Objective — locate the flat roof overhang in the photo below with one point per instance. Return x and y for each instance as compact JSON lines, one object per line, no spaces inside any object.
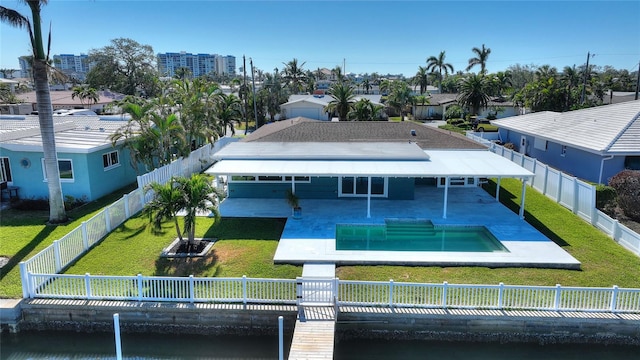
{"x":440,"y":163}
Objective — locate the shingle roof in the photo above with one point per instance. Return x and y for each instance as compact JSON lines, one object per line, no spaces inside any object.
{"x":606,"y":129}
{"x":306,"y":130}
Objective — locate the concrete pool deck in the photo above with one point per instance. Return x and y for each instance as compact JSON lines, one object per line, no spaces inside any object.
{"x":311,"y":239}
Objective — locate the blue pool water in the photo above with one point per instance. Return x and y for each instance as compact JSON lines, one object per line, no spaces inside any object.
{"x":415,"y":235}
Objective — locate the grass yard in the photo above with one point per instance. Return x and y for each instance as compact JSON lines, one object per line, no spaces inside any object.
{"x":25,"y":233}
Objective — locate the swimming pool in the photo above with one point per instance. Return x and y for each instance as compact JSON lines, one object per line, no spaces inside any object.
{"x":415,"y":235}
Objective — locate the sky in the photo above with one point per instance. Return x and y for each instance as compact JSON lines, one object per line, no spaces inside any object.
{"x":387,"y":37}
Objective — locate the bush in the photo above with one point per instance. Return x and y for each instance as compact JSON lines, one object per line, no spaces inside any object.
{"x":605,"y":198}
{"x":31,"y":204}
{"x":453,"y":112}
{"x":509,"y":146}
{"x":627,"y":186}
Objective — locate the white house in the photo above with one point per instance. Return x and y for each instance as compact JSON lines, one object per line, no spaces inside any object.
{"x":312,"y":106}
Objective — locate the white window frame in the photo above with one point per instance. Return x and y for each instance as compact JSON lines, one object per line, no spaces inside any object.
{"x":540,"y":144}
{"x":384,"y":194}
{"x":110,"y":165}
{"x":3,"y":173}
{"x":283,"y":179}
{"x":44,"y":171}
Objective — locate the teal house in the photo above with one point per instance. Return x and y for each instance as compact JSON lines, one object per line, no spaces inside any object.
{"x":90,"y":167}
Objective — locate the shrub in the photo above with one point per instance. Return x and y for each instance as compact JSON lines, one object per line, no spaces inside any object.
{"x":605,"y":198}
{"x":453,"y":111}
{"x":509,"y":146}
{"x":627,"y":186}
{"x":31,"y":204}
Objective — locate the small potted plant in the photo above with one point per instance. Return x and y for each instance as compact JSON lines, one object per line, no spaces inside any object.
{"x":293,"y":201}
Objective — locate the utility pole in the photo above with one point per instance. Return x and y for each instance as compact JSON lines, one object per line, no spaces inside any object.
{"x":255,"y":101}
{"x":638,"y":81}
{"x":244,"y":90}
{"x":586,"y":76}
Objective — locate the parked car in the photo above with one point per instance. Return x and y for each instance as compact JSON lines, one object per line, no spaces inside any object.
{"x":481,"y":125}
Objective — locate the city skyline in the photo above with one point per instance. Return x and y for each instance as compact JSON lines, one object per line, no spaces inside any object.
{"x":363,"y":36}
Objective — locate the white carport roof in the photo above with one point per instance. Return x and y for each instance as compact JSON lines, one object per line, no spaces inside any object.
{"x":442,"y":163}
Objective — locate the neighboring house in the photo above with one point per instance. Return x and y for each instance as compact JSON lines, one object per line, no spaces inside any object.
{"x":63,"y":100}
{"x":90,"y":167}
{"x":312,"y":106}
{"x":330,"y":160}
{"x":438,"y":104}
{"x":593,"y":144}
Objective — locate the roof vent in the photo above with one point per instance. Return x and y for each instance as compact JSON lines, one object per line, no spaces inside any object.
{"x":101,"y":129}
{"x":413,"y":132}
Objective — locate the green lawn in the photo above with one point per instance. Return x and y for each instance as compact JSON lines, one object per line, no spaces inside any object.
{"x":247,"y":246}
{"x":25,"y":233}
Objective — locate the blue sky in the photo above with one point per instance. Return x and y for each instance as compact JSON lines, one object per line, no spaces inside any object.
{"x":369,"y":36}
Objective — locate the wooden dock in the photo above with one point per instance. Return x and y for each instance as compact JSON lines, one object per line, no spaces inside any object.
{"x":313,"y":337}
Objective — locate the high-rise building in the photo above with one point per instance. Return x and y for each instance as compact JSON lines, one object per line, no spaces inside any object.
{"x":76,"y":66}
{"x":198,"y":64}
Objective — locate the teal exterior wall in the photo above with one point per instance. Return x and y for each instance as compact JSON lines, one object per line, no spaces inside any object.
{"x":318,"y":188}
{"x":90,"y":180}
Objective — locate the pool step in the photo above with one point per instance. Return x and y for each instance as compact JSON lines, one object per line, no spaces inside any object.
{"x":409,"y":230}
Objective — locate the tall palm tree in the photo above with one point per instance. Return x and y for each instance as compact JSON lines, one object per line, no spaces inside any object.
{"x":482,"y":55}
{"x":422,"y":79}
{"x":199,"y":195}
{"x":401,"y":97}
{"x":295,"y":76}
{"x":85,"y":93}
{"x":474,"y":92}
{"x":40,"y":65}
{"x":438,"y":63}
{"x":343,"y":99}
{"x":229,"y":112}
{"x":366,"y":85}
{"x":165,"y":204}
{"x":501,"y":82}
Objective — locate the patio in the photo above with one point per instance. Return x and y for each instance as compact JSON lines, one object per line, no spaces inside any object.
{"x":311,"y":239}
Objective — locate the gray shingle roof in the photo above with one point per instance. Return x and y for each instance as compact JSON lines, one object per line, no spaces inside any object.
{"x":605,"y":129}
{"x":306,"y":130}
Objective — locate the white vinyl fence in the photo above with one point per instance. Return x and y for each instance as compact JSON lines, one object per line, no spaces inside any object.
{"x":64,"y":251}
{"x":570,"y":192}
{"x":349,"y":293}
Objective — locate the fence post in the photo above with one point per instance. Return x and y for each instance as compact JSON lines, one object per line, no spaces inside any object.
{"x":107,"y":218}
{"x":87,"y":285}
{"x":576,"y":195}
{"x":56,"y":255}
{"x":594,"y":209}
{"x":546,"y":179}
{"x":85,"y":235}
{"x":126,"y":206}
{"x":614,"y":299}
{"x":444,"y":295}
{"x":192,"y":292}
{"x":336,"y":308}
{"x":615,"y":232}
{"x":390,"y":293}
{"x":559,"y":192}
{"x":556,"y":304}
{"x":140,"y":295}
{"x":298,"y":291}
{"x":26,"y":280}
{"x":501,"y":296}
{"x":244,"y":289}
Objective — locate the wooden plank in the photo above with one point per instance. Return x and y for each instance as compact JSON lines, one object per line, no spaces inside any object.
{"x":313,"y":337}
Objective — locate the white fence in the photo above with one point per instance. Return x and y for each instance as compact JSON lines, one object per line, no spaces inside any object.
{"x":64,"y":251}
{"x":345,"y":293}
{"x":570,"y":192}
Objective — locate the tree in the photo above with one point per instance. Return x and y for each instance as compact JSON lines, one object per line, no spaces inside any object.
{"x":421,"y":79}
{"x":366,"y":85}
{"x":294,"y":76}
{"x":438,"y":63}
{"x":182,"y":73}
{"x":125,"y":66}
{"x":401,"y":97}
{"x":275,"y":93}
{"x":40,"y":65}
{"x":365,"y":110}
{"x":85,"y":93}
{"x":343,"y":99}
{"x":228,"y":112}
{"x":7,"y":73}
{"x":474,"y":92}
{"x":482,"y":55}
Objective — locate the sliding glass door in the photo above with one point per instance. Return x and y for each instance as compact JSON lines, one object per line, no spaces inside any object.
{"x":357,"y":186}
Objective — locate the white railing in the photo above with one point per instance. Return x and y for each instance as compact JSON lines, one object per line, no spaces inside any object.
{"x":344,"y":293}
{"x":570,"y":192}
{"x":64,"y":251}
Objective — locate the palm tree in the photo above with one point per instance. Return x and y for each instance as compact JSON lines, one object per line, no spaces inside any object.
{"x":182,"y":73}
{"x":199,"y":195}
{"x":167,"y":200}
{"x":40,"y":65}
{"x":401,"y":97}
{"x":85,"y":93}
{"x":501,"y":82}
{"x":422,"y":79}
{"x":229,"y":112}
{"x":295,"y":76}
{"x":474,"y":92}
{"x":343,"y":99}
{"x":438,"y":63}
{"x":366,"y":85}
{"x":482,"y":55}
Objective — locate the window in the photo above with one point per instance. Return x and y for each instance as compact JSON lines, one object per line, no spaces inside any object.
{"x":632,"y":162}
{"x":268,"y":178}
{"x":359,"y":186}
{"x":64,"y":166}
{"x":563,"y":152}
{"x":5,"y":170}
{"x":110,"y":160}
{"x":540,"y":144}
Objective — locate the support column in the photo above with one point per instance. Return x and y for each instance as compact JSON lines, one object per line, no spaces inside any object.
{"x":293,"y":184}
{"x":524,"y":189}
{"x":498,"y":189}
{"x":369,"y":197}
{"x":446,"y":195}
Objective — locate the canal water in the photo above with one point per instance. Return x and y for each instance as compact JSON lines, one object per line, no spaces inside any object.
{"x":75,"y":346}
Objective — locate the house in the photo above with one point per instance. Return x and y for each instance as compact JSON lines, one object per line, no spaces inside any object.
{"x":90,"y":167}
{"x":438,"y":104}
{"x":63,"y":99}
{"x":593,"y":144}
{"x":331,"y":160}
{"x":312,"y":106}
